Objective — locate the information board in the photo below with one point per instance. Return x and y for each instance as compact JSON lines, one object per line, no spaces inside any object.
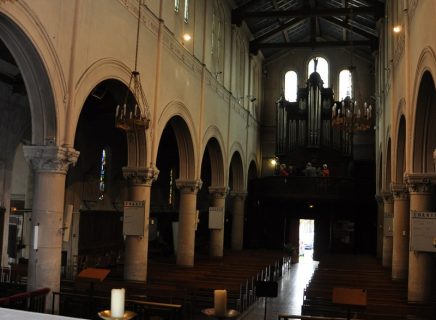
{"x":216,"y":218}
{"x":133,"y":221}
{"x":388,"y":225}
{"x":423,"y":231}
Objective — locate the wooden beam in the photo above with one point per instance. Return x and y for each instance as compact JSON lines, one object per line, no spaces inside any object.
{"x":254,"y":46}
{"x":308,"y":12}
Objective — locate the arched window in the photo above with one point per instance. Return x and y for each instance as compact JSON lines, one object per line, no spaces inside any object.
{"x":186,"y":11}
{"x":103,"y":173}
{"x":322,"y":68}
{"x":345,"y":84}
{"x":217,"y":39}
{"x":291,"y":86}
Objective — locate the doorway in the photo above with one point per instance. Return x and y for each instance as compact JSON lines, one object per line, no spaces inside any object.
{"x":306,"y":236}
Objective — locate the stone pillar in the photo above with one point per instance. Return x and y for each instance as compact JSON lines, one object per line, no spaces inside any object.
{"x":387,"y":229}
{"x":380,"y":218}
{"x":238,"y":220}
{"x":400,"y":253}
{"x":421,"y":264}
{"x":187,"y":221}
{"x":136,"y":247}
{"x":217,"y":235}
{"x":50,"y":165}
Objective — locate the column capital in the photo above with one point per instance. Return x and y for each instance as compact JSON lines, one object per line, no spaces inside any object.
{"x":399,"y":191}
{"x":189,"y":186}
{"x":141,"y":175}
{"x":218,"y":192}
{"x":387,"y":197}
{"x":420,"y":182}
{"x":240,"y":195}
{"x":379,"y":198}
{"x":50,"y":158}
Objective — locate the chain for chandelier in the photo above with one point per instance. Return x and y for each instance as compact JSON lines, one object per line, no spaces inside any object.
{"x":349,"y":114}
{"x":130,"y":115}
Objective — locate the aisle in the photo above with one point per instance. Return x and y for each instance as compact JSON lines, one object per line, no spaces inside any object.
{"x":290,"y":296}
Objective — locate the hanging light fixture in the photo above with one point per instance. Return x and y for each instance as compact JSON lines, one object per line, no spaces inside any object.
{"x":129,"y":115}
{"x":349,"y":114}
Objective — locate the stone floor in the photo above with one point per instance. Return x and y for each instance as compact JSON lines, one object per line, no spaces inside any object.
{"x":290,"y":293}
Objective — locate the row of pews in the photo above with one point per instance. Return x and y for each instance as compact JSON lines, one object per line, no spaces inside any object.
{"x":379,"y":296}
{"x":190,"y":288}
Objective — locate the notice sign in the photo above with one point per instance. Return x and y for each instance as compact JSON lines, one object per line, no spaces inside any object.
{"x":388,"y":225}
{"x":423,"y":231}
{"x":216,"y":218}
{"x":133,"y":221}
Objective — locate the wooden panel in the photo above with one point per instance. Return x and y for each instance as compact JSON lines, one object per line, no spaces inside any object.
{"x":349,"y":296}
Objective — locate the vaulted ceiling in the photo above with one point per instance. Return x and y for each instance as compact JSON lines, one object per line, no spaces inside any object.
{"x":279,"y":25}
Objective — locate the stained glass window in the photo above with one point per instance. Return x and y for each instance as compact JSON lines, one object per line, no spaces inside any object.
{"x":103,"y":162}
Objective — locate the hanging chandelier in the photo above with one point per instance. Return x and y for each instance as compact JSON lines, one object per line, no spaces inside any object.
{"x":352,"y":116}
{"x":129,"y":115}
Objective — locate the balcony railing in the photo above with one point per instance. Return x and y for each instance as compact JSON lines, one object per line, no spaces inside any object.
{"x":330,"y":188}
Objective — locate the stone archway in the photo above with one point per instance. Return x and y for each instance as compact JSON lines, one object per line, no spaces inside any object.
{"x":213,"y":194}
{"x":176,"y":162}
{"x":424,"y":135}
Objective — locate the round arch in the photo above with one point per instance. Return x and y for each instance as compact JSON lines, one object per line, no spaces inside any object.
{"x":182,"y":124}
{"x":114,"y":71}
{"x":36,"y":80}
{"x":236,"y":173}
{"x":388,"y":166}
{"x":213,"y":143}
{"x":424,"y":126}
{"x":400,"y":163}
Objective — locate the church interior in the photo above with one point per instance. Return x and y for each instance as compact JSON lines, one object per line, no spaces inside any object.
{"x":186,"y":149}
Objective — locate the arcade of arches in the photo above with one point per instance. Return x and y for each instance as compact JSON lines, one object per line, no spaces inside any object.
{"x":198,"y":166}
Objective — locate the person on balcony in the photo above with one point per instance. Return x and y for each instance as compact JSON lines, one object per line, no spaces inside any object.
{"x":283,"y":172}
{"x":325,"y":170}
{"x":309,"y":171}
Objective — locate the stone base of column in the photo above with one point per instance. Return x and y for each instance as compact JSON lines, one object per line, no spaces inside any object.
{"x":216,"y":243}
{"x":421,"y":266}
{"x":135,"y":258}
{"x":387,"y":251}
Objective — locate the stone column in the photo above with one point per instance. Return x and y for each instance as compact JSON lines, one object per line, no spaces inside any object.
{"x":238,"y":220}
{"x":50,"y":165}
{"x":387,"y":229}
{"x":136,"y":247}
{"x":421,"y":264}
{"x":400,"y":253}
{"x":187,"y":221}
{"x":217,"y":235}
{"x":380,"y":218}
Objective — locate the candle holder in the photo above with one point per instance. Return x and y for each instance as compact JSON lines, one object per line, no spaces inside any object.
{"x":230,"y":313}
{"x":106,"y":314}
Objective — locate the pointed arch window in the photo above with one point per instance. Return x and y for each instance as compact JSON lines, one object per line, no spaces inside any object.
{"x":176,"y":5}
{"x":322,"y":67}
{"x":291,"y":86}
{"x":345,"y":84}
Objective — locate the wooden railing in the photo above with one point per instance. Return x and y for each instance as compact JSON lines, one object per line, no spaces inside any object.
{"x":338,"y":188}
{"x":29,"y":301}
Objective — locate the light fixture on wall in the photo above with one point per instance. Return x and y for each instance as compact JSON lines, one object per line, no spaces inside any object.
{"x":396,"y":28}
{"x":129,"y":115}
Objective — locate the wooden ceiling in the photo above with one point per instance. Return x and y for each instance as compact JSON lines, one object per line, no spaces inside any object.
{"x":279,"y":25}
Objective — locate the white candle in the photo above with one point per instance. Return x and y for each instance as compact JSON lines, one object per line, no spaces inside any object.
{"x":117,"y":303}
{"x":220,"y":302}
